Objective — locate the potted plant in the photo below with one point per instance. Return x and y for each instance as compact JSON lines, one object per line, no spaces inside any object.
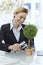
{"x":29,"y":31}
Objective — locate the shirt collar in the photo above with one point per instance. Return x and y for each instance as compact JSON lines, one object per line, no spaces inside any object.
{"x":11,"y":26}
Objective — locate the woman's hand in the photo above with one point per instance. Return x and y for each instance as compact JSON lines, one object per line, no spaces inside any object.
{"x":14,"y":47}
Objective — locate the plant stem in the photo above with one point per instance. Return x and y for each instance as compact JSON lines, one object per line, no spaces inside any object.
{"x":29,"y":43}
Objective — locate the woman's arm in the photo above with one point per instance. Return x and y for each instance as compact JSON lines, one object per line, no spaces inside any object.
{"x":3,"y":46}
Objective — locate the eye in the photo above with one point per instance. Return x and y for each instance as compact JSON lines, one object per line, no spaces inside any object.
{"x":22,"y":17}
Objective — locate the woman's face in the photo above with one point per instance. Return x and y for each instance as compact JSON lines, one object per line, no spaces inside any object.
{"x":19,"y":18}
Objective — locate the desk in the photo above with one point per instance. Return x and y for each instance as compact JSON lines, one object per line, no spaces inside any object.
{"x":19,"y":58}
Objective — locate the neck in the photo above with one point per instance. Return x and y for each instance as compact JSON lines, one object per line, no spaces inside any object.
{"x":16,"y":27}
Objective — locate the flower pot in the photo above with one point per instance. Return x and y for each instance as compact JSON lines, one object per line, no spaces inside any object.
{"x":28,"y":51}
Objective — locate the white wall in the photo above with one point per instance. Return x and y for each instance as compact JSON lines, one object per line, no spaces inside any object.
{"x":39,"y":40}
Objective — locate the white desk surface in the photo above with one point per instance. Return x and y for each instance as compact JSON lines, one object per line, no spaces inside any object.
{"x":19,"y":58}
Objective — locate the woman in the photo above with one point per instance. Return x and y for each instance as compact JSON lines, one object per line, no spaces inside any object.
{"x":13,"y":38}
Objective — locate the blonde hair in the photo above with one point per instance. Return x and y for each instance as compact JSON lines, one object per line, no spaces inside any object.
{"x":20,"y":9}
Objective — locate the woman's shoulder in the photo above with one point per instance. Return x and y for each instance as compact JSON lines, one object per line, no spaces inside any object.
{"x":5,"y":26}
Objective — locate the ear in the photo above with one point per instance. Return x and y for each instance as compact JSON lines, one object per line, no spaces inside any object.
{"x":14,"y":14}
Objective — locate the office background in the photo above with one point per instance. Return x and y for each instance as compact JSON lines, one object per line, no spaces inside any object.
{"x":35,"y":11}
